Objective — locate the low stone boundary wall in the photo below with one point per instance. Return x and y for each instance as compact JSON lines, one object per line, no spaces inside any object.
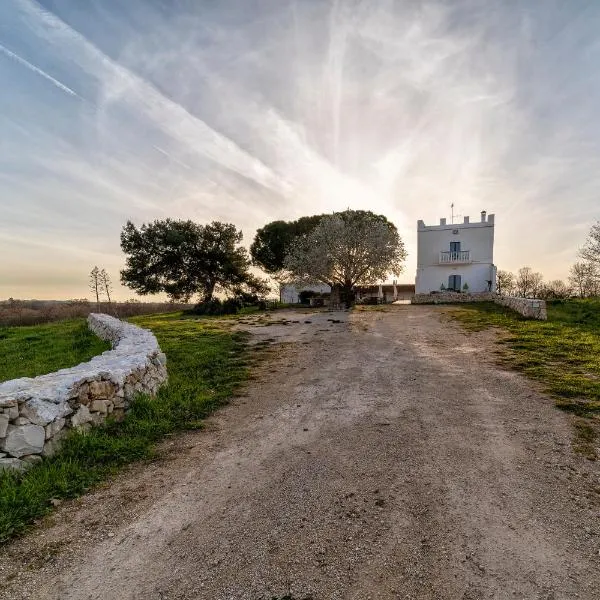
{"x":452,"y":298}
{"x":35,"y":413}
{"x":528,"y":307}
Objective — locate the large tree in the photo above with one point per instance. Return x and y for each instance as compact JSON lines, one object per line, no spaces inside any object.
{"x":273,"y":242}
{"x":183,"y":258}
{"x":347,"y":249}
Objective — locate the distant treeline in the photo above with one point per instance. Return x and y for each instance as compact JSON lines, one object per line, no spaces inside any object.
{"x":34,"y":312}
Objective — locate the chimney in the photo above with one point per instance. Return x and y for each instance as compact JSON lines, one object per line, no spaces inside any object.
{"x":466,"y":220}
{"x":483,"y":213}
{"x":490,"y":219}
{"x":442,"y":221}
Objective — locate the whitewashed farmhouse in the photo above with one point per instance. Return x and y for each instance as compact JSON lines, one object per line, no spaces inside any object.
{"x":456,"y":257}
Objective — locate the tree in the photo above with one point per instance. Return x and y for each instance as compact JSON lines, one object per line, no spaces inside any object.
{"x":590,"y":252}
{"x":584,"y":277}
{"x":105,"y":284}
{"x":347,"y":249}
{"x":505,"y":283}
{"x":183,"y":258}
{"x":528,"y":283}
{"x":555,"y":289}
{"x":95,"y":285}
{"x":273,"y":242}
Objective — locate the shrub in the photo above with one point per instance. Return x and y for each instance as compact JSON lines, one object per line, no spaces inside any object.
{"x":216,"y":307}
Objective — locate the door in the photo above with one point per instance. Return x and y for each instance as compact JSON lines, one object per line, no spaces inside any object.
{"x":454,"y":250}
{"x":454,"y":282}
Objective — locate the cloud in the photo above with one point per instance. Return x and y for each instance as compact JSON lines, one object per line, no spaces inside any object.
{"x":39,"y":71}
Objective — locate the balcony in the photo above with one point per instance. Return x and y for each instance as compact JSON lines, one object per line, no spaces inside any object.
{"x":462,"y":257}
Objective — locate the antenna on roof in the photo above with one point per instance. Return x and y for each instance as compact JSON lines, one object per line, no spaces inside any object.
{"x":452,"y":212}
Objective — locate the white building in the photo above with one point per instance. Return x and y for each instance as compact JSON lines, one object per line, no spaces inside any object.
{"x":290,"y":293}
{"x":457,"y":257}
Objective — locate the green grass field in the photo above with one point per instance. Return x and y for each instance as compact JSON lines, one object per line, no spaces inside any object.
{"x":38,"y":349}
{"x":206,"y":363}
{"x":563,"y":352}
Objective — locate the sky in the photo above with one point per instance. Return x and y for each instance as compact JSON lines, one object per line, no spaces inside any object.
{"x":248,"y":111}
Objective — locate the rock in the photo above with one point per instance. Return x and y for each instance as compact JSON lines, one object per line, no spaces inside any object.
{"x":100,"y":406}
{"x":53,"y":428}
{"x":12,"y":463}
{"x":13,"y":412}
{"x":52,"y":445}
{"x":4,"y":419}
{"x":32,"y":459}
{"x":23,"y":440}
{"x":81,"y":416}
{"x":22,"y":421}
{"x":41,"y":412}
{"x":102,"y":389}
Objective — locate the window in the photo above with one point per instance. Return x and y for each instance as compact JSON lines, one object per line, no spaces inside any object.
{"x":454,"y":246}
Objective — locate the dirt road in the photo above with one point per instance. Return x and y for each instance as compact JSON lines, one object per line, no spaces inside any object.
{"x":382,"y":456}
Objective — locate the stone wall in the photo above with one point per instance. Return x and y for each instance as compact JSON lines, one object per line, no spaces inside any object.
{"x":528,"y":307}
{"x":35,"y":413}
{"x":452,"y":298}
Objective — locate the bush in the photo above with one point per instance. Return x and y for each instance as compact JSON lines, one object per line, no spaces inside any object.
{"x":216,"y":307}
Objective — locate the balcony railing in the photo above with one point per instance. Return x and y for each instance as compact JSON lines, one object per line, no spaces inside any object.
{"x":462,"y":256}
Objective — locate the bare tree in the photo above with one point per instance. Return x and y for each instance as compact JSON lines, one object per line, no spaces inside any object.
{"x":95,"y":285}
{"x":528,"y":283}
{"x":584,"y":277}
{"x":505,"y":283}
{"x":347,"y":249}
{"x":590,"y":252}
{"x":555,"y":289}
{"x":106,"y":285}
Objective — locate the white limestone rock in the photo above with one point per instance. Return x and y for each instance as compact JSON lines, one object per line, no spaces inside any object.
{"x":81,"y":417}
{"x":4,"y":420}
{"x":22,"y":440}
{"x":12,"y":463}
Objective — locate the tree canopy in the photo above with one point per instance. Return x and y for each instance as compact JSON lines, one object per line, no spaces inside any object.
{"x":273,"y":242}
{"x":183,"y":258}
{"x":347,"y":249}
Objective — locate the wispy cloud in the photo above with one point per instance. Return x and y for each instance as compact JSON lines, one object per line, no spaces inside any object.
{"x":292,"y":108}
{"x":39,"y":71}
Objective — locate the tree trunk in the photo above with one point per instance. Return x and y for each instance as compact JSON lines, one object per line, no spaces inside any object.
{"x":209,"y":290}
{"x":347,"y":294}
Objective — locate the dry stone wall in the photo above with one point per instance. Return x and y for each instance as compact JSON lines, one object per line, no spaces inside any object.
{"x":452,"y":298}
{"x":35,"y":413}
{"x":528,"y":307}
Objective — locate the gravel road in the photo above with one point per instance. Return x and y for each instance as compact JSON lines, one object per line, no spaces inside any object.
{"x":381,"y":456}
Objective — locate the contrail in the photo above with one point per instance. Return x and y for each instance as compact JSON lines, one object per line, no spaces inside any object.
{"x":39,"y":71}
{"x":165,"y":113}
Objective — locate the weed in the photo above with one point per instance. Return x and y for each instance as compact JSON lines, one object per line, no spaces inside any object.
{"x":33,"y":350}
{"x":206,"y":363}
{"x":563,"y":352}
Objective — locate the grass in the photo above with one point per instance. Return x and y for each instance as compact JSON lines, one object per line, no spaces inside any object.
{"x":206,"y":363}
{"x":34,"y":350}
{"x":563,"y":353}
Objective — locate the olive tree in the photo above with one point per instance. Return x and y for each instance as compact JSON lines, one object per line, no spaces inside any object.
{"x":347,"y":249}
